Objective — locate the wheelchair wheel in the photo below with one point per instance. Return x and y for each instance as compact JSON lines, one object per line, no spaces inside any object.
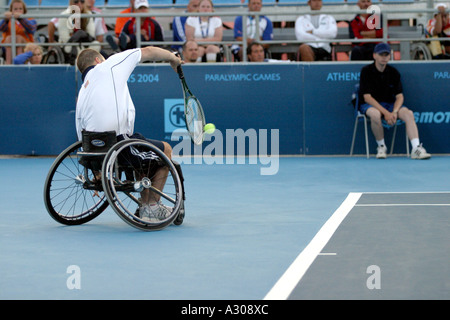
{"x":126,"y":174}
{"x":70,"y":196}
{"x":420,"y":51}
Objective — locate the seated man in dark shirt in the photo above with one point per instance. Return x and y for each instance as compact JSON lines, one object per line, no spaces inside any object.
{"x":381,"y":93}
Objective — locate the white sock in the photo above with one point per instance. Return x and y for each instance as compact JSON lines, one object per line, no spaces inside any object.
{"x":415,"y":143}
{"x":381,"y":142}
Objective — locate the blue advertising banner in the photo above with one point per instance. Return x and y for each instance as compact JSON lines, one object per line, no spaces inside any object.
{"x":235,"y":98}
{"x":37,"y":107}
{"x":285,"y":108}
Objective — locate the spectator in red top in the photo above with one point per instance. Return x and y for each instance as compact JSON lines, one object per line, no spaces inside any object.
{"x":150,"y":30}
{"x":25,"y":28}
{"x":365,"y":26}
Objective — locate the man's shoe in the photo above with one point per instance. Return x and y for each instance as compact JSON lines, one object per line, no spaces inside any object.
{"x":420,"y":153}
{"x":159,"y":211}
{"x":112,"y":43}
{"x":144,"y":212}
{"x":123,"y":41}
{"x":154,"y":211}
{"x":381,"y":152}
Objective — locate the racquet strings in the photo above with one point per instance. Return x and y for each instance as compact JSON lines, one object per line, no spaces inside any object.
{"x":194,"y":121}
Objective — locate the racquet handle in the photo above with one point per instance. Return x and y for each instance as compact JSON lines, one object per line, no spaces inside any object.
{"x":179,"y":70}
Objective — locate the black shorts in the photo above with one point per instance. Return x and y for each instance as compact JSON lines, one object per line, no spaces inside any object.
{"x":156,"y":143}
{"x":321,"y":54}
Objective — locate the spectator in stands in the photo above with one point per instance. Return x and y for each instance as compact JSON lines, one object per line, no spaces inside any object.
{"x":33,"y":55}
{"x":178,"y":24}
{"x":77,"y":30}
{"x":100,"y":25}
{"x":205,"y":29}
{"x":150,"y":29}
{"x":265,"y":28}
{"x":190,"y":52}
{"x":25,"y":28}
{"x":256,"y":53}
{"x":382,"y":97}
{"x":315,"y":26}
{"x":99,"y":22}
{"x":52,"y":27}
{"x":365,"y":26}
{"x":120,"y":21}
{"x":439,"y":26}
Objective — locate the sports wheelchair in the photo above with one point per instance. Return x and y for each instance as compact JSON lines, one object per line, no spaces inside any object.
{"x":99,"y":171}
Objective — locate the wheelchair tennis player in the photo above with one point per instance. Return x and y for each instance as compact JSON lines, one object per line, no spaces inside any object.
{"x":104,"y":104}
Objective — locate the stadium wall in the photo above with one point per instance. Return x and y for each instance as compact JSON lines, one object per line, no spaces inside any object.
{"x":295,"y":108}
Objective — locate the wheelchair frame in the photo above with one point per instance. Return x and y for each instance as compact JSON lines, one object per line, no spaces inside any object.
{"x":74,"y":194}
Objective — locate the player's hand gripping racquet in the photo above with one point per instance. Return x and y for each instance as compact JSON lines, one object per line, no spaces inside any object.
{"x":193,"y":112}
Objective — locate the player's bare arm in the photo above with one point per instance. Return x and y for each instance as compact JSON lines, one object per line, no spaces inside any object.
{"x":157,"y":54}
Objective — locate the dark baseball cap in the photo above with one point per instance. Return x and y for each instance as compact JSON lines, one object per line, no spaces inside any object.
{"x":382,"y":48}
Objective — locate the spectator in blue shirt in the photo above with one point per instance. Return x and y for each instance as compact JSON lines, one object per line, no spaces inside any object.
{"x":265,"y":28}
{"x":33,"y":55}
{"x":179,"y":22}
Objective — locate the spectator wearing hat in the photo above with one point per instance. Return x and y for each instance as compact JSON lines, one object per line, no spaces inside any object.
{"x":150,"y":30}
{"x":439,"y":26}
{"x":381,"y":93}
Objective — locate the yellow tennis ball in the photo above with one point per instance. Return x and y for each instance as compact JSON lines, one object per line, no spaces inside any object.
{"x":209,"y":128}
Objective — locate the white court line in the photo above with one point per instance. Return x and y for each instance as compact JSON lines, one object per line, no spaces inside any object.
{"x":403,"y":192}
{"x":401,"y":204}
{"x":284,"y":286}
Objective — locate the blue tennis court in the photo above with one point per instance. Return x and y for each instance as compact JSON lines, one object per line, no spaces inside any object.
{"x":242,"y":230}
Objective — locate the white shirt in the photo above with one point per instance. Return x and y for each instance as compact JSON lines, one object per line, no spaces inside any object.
{"x":65,"y":32}
{"x":322,"y":26}
{"x":104,"y":102}
{"x":204,"y":29}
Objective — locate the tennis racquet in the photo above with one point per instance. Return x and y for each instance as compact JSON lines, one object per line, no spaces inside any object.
{"x":193,"y":112}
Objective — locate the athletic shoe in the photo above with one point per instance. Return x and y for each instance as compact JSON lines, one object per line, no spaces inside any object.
{"x":152,"y":211}
{"x":381,"y":152}
{"x":144,"y":212}
{"x":160,"y":211}
{"x":112,"y":43}
{"x":420,"y":153}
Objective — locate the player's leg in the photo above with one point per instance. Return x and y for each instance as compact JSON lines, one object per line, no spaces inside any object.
{"x":129,"y":168}
{"x":150,"y":200}
{"x":159,"y":178}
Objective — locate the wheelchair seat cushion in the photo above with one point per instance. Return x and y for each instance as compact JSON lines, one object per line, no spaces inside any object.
{"x":98,"y":141}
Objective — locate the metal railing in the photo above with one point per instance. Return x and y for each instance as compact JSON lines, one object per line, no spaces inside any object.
{"x":245,"y":15}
